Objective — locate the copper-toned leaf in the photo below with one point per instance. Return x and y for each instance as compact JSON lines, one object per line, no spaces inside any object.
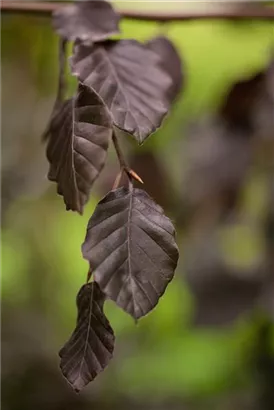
{"x":91,"y":345}
{"x":88,"y":21}
{"x":170,"y":61}
{"x":77,"y":147}
{"x":129,"y":78}
{"x":131,"y":249}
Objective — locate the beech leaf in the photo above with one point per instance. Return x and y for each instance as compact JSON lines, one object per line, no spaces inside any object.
{"x":77,"y":147}
{"x":170,"y":61}
{"x":129,"y":78}
{"x":91,"y":345}
{"x":131,"y":249}
{"x":87,"y":21}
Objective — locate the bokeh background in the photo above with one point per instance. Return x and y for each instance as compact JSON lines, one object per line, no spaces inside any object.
{"x":209,"y":344}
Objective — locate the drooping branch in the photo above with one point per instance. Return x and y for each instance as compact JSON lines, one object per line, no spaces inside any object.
{"x":221,"y":11}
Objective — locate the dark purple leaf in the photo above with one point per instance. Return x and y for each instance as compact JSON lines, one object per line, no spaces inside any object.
{"x":88,"y":21}
{"x":131,"y":249}
{"x":77,"y":147}
{"x":129,"y":78}
{"x":91,"y":345}
{"x":170,"y":61}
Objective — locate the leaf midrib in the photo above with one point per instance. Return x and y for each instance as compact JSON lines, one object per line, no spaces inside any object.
{"x":128,"y":246}
{"x":88,"y":330}
{"x":120,"y":85}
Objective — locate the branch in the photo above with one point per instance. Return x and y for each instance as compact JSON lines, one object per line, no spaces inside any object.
{"x":221,"y":11}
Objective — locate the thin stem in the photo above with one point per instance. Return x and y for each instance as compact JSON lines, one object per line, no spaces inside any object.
{"x":122,"y":161}
{"x":119,"y":153}
{"x":220,"y":11}
{"x":89,"y":274}
{"x":123,"y":166}
{"x":118,"y":179}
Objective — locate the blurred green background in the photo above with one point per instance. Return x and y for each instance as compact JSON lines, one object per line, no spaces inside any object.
{"x":164,"y":361}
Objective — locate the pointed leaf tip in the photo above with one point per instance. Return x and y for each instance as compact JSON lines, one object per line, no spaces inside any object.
{"x":90,"y":347}
{"x":129,"y":78}
{"x":131,"y":249}
{"x":170,"y":61}
{"x":79,"y":135}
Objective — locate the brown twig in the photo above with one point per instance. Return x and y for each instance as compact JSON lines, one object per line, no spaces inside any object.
{"x":123,"y":165}
{"x":122,"y":161}
{"x":118,"y":179}
{"x":221,"y":11}
{"x":119,"y":153}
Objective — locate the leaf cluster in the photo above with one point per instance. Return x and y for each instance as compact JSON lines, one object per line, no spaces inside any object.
{"x":130,"y":243}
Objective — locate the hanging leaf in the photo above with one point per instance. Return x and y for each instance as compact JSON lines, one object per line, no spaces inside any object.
{"x":77,"y":147}
{"x":88,"y":21}
{"x":61,"y":90}
{"x":129,"y":78}
{"x":170,"y":61}
{"x":131,"y":249}
{"x":91,"y":345}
